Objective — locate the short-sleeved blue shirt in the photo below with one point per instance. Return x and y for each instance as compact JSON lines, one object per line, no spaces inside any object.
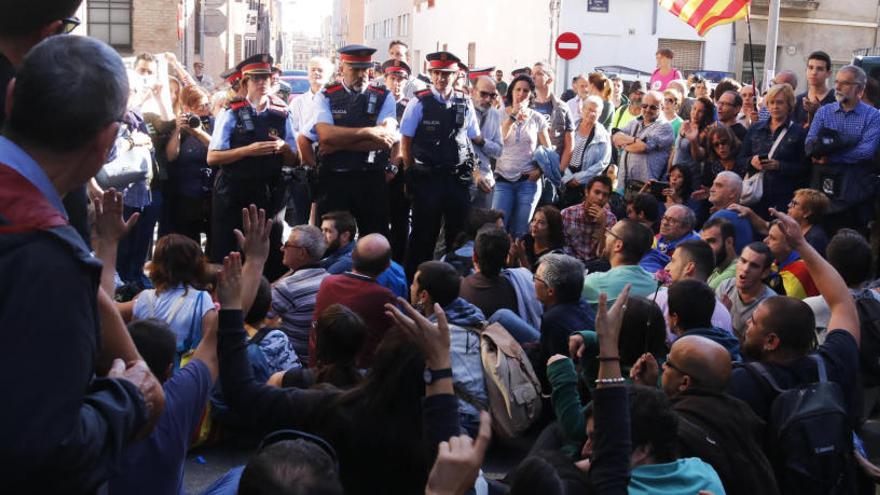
{"x":321,"y":113}
{"x":225,"y":125}
{"x":412,"y":116}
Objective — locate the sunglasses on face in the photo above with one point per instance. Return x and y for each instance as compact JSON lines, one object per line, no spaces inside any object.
{"x":486,"y":94}
{"x":649,"y":107}
{"x":669,"y":100}
{"x":718,"y":144}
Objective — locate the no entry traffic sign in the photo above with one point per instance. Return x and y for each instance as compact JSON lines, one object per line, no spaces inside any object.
{"x":568,"y":46}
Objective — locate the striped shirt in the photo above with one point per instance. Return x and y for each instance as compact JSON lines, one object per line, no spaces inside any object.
{"x":293,"y":299}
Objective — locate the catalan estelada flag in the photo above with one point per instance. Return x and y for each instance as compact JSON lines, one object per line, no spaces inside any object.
{"x":703,"y":15}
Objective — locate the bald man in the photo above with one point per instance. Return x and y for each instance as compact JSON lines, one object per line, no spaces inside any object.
{"x":360,"y":292}
{"x":720,"y":429}
{"x":484,"y":95}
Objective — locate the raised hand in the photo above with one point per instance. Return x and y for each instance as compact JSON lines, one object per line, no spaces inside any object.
{"x":254,"y":241}
{"x":458,"y":461}
{"x":109,"y":225}
{"x":229,"y":282}
{"x":431,"y":338}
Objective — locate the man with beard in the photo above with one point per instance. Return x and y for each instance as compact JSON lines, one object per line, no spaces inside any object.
{"x":729,"y":104}
{"x":483,"y":95}
{"x":339,"y":229}
{"x":721,"y":237}
{"x":780,"y":336}
{"x":632,"y":110}
{"x":352,"y":122}
{"x":844,"y":171}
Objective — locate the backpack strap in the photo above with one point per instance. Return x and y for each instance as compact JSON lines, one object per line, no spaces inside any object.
{"x":761,"y":371}
{"x":820,"y":367}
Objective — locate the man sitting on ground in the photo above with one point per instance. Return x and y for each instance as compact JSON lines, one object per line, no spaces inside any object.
{"x":793,"y":279}
{"x":721,"y":237}
{"x":780,"y":336}
{"x":676,"y":226}
{"x":725,"y":191}
{"x":584,"y":225}
{"x":626,"y":243}
{"x":360,"y":292}
{"x":692,"y":260}
{"x":691,"y":303}
{"x":293,"y":296}
{"x":720,"y":429}
{"x":743,"y":293}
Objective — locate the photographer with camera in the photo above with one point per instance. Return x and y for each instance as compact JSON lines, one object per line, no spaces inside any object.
{"x":188,"y":190}
{"x":841,"y":143}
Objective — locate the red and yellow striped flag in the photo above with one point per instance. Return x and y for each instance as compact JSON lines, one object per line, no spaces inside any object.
{"x":703,"y":15}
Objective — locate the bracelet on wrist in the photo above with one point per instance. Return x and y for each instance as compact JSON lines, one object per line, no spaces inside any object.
{"x":610,"y":381}
{"x":609,"y":358}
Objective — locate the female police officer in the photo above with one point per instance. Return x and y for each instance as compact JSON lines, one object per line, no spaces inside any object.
{"x":252,"y":140}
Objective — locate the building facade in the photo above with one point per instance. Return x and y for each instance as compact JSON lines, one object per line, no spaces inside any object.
{"x":386,"y":21}
{"x":500,"y":33}
{"x":348,"y":22}
{"x":627,"y":34}
{"x":836,"y":27}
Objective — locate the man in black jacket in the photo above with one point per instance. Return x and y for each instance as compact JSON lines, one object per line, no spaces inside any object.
{"x":63,"y":429}
{"x":720,"y":429}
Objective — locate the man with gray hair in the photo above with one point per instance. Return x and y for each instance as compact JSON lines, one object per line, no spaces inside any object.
{"x":74,"y":410}
{"x":293,"y":295}
{"x":646,"y":142}
{"x":676,"y":226}
{"x":725,"y":192}
{"x":484,"y":94}
{"x":843,"y":171}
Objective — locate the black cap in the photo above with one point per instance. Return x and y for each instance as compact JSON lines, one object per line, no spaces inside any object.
{"x":357,"y":56}
{"x":636,"y":86}
{"x":395,"y":66}
{"x":260,"y":63}
{"x":443,"y":61}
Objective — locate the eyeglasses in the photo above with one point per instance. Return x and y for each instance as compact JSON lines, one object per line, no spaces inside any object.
{"x":612,"y":234}
{"x":718,"y":144}
{"x":670,"y":100}
{"x":291,"y":245}
{"x":649,"y":107}
{"x":536,"y":278}
{"x":68,"y":24}
{"x":793,"y":203}
{"x":486,"y":94}
{"x":676,"y":368}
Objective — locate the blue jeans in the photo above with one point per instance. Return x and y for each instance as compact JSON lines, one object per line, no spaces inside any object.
{"x":515,"y":326}
{"x":518,"y":201}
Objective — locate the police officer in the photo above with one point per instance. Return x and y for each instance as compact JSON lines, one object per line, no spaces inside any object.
{"x":396,"y":73}
{"x":232,"y":76}
{"x":352,"y":121}
{"x":438,"y":129}
{"x":252,"y":140}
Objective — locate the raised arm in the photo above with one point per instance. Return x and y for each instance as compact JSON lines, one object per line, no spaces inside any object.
{"x":844,"y":315}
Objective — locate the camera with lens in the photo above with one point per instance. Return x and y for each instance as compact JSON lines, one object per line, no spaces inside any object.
{"x":828,"y":142}
{"x":193,"y":120}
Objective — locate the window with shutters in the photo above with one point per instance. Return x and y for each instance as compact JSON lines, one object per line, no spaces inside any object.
{"x":688,"y":54}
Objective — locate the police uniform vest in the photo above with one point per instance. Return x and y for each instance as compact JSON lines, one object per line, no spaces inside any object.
{"x":441,"y":136}
{"x":353,"y":110}
{"x":266,"y":126}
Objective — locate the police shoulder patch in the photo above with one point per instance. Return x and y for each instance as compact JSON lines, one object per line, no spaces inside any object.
{"x":237,"y":104}
{"x":425,"y":93}
{"x":332,"y":88}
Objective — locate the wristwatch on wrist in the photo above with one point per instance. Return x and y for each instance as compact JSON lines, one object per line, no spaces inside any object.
{"x":391,"y":169}
{"x":432,"y":376}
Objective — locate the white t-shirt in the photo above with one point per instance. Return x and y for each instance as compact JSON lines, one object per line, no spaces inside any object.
{"x":519,"y":145}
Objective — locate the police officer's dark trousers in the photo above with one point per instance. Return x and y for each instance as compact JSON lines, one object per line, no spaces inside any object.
{"x":231,"y":194}
{"x":436,"y":194}
{"x":362,"y":193}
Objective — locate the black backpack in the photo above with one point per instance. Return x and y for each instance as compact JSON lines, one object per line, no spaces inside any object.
{"x":811,"y":436}
{"x":869,"y":347}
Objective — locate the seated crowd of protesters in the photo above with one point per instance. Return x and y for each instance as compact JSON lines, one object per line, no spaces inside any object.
{"x":653,"y":335}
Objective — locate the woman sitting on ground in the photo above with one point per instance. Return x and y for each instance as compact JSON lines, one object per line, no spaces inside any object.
{"x":545,"y":236}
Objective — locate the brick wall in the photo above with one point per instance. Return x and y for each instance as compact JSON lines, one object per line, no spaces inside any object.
{"x":154,"y":26}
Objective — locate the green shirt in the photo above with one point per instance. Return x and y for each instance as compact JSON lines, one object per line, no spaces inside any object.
{"x":613,"y":281}
{"x":717,"y":277}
